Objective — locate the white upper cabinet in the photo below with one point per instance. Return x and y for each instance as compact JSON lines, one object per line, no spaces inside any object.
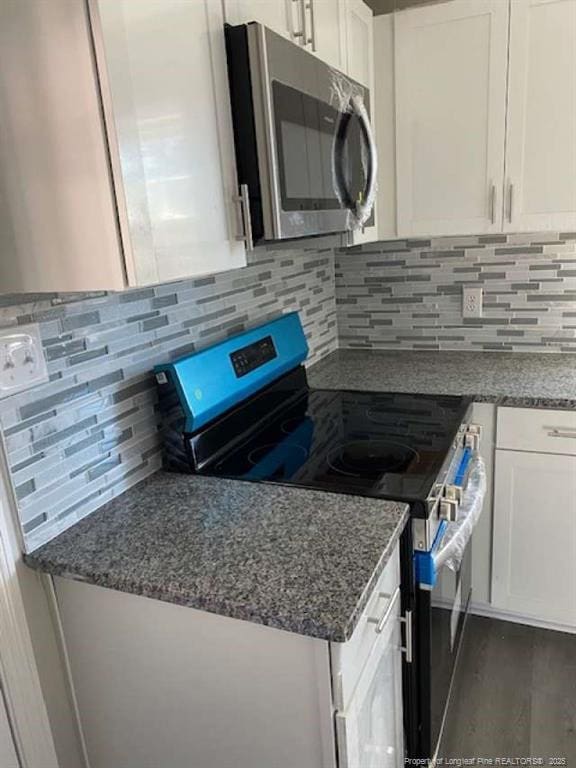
{"x":451,"y":63}
{"x":360,"y":42}
{"x":165,"y":93}
{"x":384,"y":122}
{"x":281,"y":16}
{"x":541,"y":139}
{"x":57,"y":213}
{"x":327,"y":20}
{"x":146,"y":197}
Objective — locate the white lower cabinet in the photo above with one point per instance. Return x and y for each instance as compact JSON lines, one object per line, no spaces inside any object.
{"x":164,"y":685}
{"x":534,"y":544}
{"x":369,"y":730}
{"x":8,"y":755}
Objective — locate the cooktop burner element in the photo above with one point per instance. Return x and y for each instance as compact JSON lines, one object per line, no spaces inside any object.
{"x":371,"y":458}
{"x":290,"y":452}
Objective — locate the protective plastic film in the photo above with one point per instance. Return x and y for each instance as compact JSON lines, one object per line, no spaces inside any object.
{"x":458,"y":534}
{"x":348,"y":98}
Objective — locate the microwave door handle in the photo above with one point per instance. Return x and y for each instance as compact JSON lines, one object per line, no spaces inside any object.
{"x":365,"y":207}
{"x":360,"y":210}
{"x":338,"y":154}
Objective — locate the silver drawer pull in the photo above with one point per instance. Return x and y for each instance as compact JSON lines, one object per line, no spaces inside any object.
{"x":381,"y":622}
{"x":561,"y":432}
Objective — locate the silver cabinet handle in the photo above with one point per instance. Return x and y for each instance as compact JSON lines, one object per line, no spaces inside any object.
{"x":510,"y":201}
{"x":493,"y":204}
{"x":312,"y":39}
{"x":381,"y":622}
{"x":568,"y":432}
{"x":244,"y":200}
{"x":302,"y":34}
{"x":407,"y":649}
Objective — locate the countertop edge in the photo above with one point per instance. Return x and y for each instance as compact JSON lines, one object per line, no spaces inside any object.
{"x":307,"y":628}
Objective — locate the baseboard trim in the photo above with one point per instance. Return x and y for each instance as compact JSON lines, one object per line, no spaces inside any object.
{"x":490,"y":611}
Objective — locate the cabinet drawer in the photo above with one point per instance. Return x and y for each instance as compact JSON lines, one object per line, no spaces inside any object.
{"x":349,"y":659}
{"x":543,"y":431}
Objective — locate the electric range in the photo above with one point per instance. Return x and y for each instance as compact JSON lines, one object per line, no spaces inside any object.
{"x":243,"y":409}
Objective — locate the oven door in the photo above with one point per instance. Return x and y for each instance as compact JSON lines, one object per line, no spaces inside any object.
{"x":316,"y":151}
{"x":442,"y":599}
{"x":442,"y":613}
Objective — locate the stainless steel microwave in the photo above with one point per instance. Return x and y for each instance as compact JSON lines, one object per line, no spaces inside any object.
{"x":305,"y":151}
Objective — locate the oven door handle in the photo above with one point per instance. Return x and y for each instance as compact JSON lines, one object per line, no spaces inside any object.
{"x":361,"y":208}
{"x":452,"y":538}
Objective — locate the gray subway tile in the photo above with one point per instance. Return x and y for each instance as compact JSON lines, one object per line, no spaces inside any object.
{"x":63,"y":434}
{"x":137,"y":295}
{"x":81,"y":445}
{"x":33,"y":524}
{"x":142,"y":316}
{"x":70,"y":394}
{"x":165,"y":301}
{"x":157,"y":322}
{"x":15,"y":468}
{"x":103,"y":468}
{"x":56,"y":351}
{"x":29,"y":423}
{"x":519,"y":250}
{"x":25,"y":489}
{"x":92,"y":354}
{"x":73,"y":322}
{"x":133,"y":389}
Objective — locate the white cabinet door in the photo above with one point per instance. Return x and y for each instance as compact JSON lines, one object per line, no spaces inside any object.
{"x":328,"y":32}
{"x":370,"y":731}
{"x":8,"y":756}
{"x":541,"y":132}
{"x":58,"y":229}
{"x":282,"y":16}
{"x":162,"y":66}
{"x":534,"y":553}
{"x":360,"y":42}
{"x":451,"y":61}
{"x":385,"y":124}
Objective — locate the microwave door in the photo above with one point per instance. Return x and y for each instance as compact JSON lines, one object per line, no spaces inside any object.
{"x":305,"y":129}
{"x":355,"y":163}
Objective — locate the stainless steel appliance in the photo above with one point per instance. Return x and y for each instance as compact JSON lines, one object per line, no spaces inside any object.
{"x":243,"y":409}
{"x":305,"y":151}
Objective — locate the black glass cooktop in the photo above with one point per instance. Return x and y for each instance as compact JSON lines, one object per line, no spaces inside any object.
{"x":386,"y":445}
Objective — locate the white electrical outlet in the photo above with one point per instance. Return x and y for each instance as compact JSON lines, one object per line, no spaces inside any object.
{"x":22,"y":362}
{"x":471,"y":301}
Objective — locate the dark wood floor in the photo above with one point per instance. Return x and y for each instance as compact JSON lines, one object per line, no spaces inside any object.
{"x":515,"y":694}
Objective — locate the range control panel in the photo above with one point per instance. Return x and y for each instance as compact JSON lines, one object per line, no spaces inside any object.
{"x":253,"y":356}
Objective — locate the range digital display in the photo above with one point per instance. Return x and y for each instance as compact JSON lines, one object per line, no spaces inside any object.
{"x":253,"y":356}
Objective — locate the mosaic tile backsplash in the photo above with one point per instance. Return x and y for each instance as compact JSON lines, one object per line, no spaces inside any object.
{"x":91,"y":432}
{"x":408,"y":293}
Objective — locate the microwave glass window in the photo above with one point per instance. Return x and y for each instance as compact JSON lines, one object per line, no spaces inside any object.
{"x":305,"y":129}
{"x":307,"y":162}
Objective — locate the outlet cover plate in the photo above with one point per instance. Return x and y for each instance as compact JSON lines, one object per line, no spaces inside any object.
{"x":471,"y":301}
{"x":22,"y":361}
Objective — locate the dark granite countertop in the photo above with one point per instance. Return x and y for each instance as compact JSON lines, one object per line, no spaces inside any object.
{"x":300,"y":560}
{"x":516,"y":379}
